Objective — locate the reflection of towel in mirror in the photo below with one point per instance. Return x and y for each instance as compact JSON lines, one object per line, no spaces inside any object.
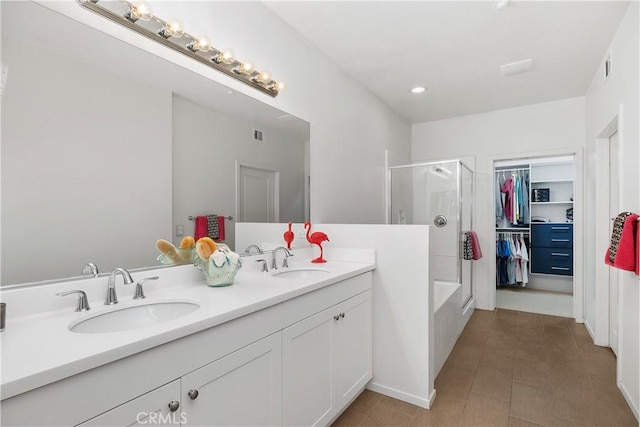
{"x":212,"y":227}
{"x":220,"y":227}
{"x":200,"y":227}
{"x":625,"y":241}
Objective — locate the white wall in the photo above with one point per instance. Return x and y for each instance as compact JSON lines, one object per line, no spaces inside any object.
{"x":350,"y":127}
{"x":604,"y":100}
{"x":204,"y":178}
{"x":511,"y":133}
{"x":67,"y":170}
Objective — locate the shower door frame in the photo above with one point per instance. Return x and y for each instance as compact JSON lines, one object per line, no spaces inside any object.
{"x":459,"y":163}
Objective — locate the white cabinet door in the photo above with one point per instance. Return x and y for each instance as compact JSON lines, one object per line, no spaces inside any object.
{"x":243,"y":388}
{"x":152,"y":408}
{"x":352,"y":359}
{"x":307,"y":395}
{"x":326,"y":361}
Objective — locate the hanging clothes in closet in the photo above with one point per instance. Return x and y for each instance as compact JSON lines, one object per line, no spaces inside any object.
{"x":514,"y":205}
{"x":512,"y":259}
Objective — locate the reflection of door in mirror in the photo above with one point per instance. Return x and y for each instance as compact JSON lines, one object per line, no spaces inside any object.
{"x":258,"y":196}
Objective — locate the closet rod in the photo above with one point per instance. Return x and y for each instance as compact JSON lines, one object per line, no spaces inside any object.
{"x":513,"y":169}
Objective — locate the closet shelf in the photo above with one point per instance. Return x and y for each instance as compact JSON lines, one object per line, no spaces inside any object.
{"x":544,"y":181}
{"x":514,"y":229}
{"x":562,"y":202}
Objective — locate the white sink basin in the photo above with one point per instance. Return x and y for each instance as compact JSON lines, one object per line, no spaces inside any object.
{"x":135,"y":317}
{"x":301,"y":273}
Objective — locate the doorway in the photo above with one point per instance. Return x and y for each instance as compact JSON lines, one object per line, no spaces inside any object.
{"x":257,"y":194}
{"x":614,"y":197}
{"x":538,"y":245}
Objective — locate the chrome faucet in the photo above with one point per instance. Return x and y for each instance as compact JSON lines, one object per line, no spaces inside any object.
{"x":139,"y":291}
{"x":111,"y":288}
{"x":264,"y":264}
{"x":90,"y":269}
{"x":248,"y":250}
{"x":287,"y":254}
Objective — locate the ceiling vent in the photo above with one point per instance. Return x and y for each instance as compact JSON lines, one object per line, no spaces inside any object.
{"x":516,"y":67}
{"x":258,"y":135}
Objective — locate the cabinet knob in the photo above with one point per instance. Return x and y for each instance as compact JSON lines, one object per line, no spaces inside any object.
{"x":193,"y":394}
{"x":342,"y":315}
{"x":336,"y":317}
{"x":174,"y":405}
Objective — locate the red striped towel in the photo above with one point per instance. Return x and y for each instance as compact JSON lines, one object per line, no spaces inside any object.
{"x":628,"y":246}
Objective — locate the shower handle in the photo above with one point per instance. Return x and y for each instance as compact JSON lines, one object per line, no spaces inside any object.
{"x":440,"y":221}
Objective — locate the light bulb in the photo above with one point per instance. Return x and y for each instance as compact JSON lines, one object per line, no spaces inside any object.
{"x":200,"y":43}
{"x":227,"y":56}
{"x":265,"y":76}
{"x":139,"y":10}
{"x":246,"y":67}
{"x":172,"y":28}
{"x":281,"y":86}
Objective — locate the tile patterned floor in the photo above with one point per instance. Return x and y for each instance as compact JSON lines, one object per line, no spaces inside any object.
{"x":511,"y":368}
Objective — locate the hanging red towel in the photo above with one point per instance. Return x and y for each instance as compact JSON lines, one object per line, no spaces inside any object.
{"x":220,"y":227}
{"x":626,"y":255}
{"x":202,"y":227}
{"x":475,"y":246}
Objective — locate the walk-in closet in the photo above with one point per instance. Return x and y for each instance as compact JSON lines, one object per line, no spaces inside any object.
{"x":534,"y":234}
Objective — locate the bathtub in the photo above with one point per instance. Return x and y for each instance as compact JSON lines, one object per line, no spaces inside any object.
{"x":448,"y":319}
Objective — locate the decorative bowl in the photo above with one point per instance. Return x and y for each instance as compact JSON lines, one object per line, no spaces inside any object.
{"x":184,"y":256}
{"x":219,"y":273}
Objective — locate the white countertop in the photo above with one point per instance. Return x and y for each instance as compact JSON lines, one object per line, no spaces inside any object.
{"x":39,"y":349}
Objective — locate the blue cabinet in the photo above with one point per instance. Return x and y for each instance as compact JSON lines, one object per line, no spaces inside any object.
{"x":552,"y":249}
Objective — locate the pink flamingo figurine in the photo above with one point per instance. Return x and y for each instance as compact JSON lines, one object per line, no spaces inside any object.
{"x":288,"y":236}
{"x":316,"y":238}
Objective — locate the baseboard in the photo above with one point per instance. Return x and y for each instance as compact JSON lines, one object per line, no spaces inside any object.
{"x":401,"y":395}
{"x":467,"y":310}
{"x":590,"y":330}
{"x":632,"y":405}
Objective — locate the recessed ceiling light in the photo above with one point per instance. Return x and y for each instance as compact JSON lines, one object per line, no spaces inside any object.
{"x":418,"y":89}
{"x":502,"y":4}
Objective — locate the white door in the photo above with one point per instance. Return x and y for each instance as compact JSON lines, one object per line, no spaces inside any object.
{"x":307,"y":394}
{"x":258,"y":194}
{"x":158,"y":407}
{"x":614,"y":185}
{"x":243,"y":388}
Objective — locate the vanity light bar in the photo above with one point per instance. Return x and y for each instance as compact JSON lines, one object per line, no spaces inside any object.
{"x":137,"y":17}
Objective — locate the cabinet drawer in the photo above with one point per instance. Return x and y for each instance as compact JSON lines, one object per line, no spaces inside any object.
{"x":552,"y":261}
{"x":552,"y":235}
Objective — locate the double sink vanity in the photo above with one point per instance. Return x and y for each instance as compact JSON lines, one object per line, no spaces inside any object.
{"x":291,"y":346}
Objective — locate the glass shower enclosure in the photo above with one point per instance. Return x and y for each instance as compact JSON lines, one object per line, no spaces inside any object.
{"x":439,"y":194}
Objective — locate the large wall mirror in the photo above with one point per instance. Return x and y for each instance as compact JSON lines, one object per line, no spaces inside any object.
{"x":107,"y":148}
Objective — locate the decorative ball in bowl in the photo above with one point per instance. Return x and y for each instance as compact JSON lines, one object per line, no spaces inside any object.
{"x":221,"y":267}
